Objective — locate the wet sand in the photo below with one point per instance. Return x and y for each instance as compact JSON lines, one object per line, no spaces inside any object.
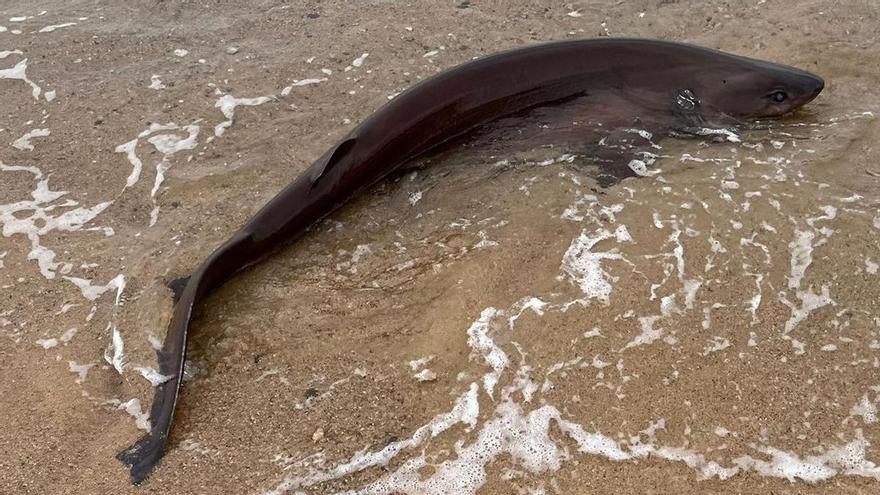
{"x":492,"y":324}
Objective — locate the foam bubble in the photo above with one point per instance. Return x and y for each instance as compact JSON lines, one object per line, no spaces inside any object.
{"x":425,"y":375}
{"x":415,"y":364}
{"x":583,"y":266}
{"x":465,"y":411}
{"x":154,"y":377}
{"x":227,"y":105}
{"x":484,"y":346}
{"x":299,"y":83}
{"x":24,"y":143}
{"x":82,"y":370}
{"x":848,"y":459}
{"x":136,"y":164}
{"x":19,"y":72}
{"x":115,"y":352}
{"x":133,"y":407}
{"x":360,"y":60}
{"x":156,"y":83}
{"x":40,"y":221}
{"x":866,"y":409}
{"x":49,"y":29}
{"x":166,"y":143}
{"x":92,"y":292}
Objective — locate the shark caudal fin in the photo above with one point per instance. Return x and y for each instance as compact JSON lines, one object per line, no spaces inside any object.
{"x":144,"y":454}
{"x":148,"y":450}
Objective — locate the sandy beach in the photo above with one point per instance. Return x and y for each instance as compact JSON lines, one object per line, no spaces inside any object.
{"x":493,"y":324}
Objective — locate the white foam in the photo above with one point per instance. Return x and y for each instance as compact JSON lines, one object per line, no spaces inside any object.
{"x":40,"y":221}
{"x":595,"y":332}
{"x":19,"y":72}
{"x":465,"y":411}
{"x":53,"y":342}
{"x":351,"y":265}
{"x":156,"y":83}
{"x":727,"y":134}
{"x":572,"y":212}
{"x":810,"y":301}
{"x":360,"y":60}
{"x":227,"y":105}
{"x":6,"y":53}
{"x":717,"y":344}
{"x":115,"y":352}
{"x":299,"y":83}
{"x":648,"y":334}
{"x":415,"y":364}
{"x":82,"y":370}
{"x":155,"y":343}
{"x":180,"y":52}
{"x":484,"y":241}
{"x":583,"y":266}
{"x":866,"y":409}
{"x":525,"y":438}
{"x":154,"y":377}
{"x":847,"y":459}
{"x":593,"y":443}
{"x":92,"y":292}
{"x":136,"y":164}
{"x":68,"y":335}
{"x":483,"y":345}
{"x":133,"y":407}
{"x":24,"y":143}
{"x":271,"y":372}
{"x":801,"y":248}
{"x":49,"y":29}
{"x":167,"y":144}
{"x":638,"y":167}
{"x":191,"y":445}
{"x":533,"y":303}
{"x":425,"y":375}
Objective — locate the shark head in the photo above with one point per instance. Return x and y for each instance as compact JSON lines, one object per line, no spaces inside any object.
{"x":742,"y":88}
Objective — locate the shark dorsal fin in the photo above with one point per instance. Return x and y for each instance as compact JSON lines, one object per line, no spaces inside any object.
{"x":330,"y":160}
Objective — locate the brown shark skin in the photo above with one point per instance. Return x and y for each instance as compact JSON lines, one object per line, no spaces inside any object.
{"x":648,"y":74}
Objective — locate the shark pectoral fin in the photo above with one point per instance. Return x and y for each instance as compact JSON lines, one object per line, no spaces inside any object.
{"x":623,"y":153}
{"x":330,"y":160}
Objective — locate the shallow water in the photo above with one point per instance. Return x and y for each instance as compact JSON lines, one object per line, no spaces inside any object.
{"x":491,"y":324}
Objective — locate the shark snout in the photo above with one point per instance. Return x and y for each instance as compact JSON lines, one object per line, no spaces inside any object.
{"x":805,"y":89}
{"x":818,"y":84}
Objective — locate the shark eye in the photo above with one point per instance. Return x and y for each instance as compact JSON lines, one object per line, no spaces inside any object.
{"x":778,"y":96}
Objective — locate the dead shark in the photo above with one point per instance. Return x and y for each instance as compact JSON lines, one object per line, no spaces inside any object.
{"x":611,"y":82}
